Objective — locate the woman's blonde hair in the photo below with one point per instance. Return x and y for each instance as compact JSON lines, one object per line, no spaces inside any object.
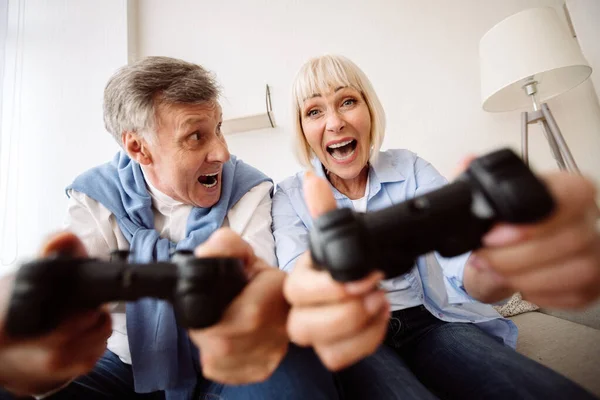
{"x":322,"y":74}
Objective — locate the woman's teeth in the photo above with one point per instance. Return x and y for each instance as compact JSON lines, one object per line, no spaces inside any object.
{"x":208,"y":180}
{"x":343,"y":150}
{"x":338,"y":145}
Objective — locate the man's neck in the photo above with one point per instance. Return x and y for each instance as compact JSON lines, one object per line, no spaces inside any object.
{"x":156,"y":188}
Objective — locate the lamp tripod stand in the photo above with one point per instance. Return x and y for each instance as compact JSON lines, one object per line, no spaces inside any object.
{"x":543,"y":116}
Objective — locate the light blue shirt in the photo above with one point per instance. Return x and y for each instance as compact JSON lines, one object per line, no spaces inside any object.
{"x":435,"y":281}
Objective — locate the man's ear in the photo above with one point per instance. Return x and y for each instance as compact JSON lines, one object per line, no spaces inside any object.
{"x":136,"y":147}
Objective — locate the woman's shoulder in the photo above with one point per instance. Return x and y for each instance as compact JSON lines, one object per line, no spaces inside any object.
{"x":399,"y":160}
{"x":398,"y":156}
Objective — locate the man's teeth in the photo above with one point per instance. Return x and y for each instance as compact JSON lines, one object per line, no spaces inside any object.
{"x":209,"y":185}
{"x":341,"y":144}
{"x":210,"y":180}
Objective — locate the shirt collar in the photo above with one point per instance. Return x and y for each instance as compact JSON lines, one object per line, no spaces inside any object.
{"x":386,"y":168}
{"x":382,"y":169}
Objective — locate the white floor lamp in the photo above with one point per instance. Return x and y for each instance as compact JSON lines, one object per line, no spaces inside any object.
{"x":525,"y":60}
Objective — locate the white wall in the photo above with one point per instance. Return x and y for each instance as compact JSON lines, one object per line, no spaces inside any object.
{"x":585,"y":16}
{"x":52,"y":125}
{"x":422,"y":57}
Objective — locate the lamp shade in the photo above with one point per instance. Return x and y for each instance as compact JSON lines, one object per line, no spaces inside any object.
{"x":531,"y":45}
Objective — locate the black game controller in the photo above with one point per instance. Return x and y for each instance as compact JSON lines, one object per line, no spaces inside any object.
{"x":497,"y":187}
{"x":49,"y":290}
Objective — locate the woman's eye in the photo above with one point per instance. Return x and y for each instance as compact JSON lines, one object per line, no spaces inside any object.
{"x":348,"y":102}
{"x":312,"y":113}
{"x":219,"y":128}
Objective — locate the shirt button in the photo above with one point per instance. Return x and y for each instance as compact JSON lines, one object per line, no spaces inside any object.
{"x":440,"y":315}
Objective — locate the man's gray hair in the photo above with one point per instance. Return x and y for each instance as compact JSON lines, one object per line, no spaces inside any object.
{"x":133,"y":92}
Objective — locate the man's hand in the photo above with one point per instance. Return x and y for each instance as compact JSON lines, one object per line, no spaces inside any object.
{"x":38,"y":365}
{"x":249,"y":342}
{"x":342,"y":322}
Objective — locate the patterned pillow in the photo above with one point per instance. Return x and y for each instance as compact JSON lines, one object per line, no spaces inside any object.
{"x":515,"y":306}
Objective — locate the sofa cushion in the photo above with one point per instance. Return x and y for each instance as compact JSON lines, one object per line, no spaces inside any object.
{"x":571,"y":349}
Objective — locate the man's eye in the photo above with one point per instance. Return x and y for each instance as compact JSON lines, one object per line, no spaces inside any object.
{"x":195,"y":136}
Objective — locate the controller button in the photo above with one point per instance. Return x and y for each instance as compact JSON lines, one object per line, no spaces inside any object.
{"x":420,"y":204}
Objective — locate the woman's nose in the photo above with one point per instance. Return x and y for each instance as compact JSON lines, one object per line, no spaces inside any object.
{"x":335,"y":123}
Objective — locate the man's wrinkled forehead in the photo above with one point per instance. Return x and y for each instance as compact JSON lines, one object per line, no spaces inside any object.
{"x":182,"y":116}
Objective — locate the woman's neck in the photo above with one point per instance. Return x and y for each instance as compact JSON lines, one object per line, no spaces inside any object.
{"x":352,"y":188}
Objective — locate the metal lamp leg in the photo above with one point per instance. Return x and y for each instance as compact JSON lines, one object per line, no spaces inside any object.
{"x":558,"y":145}
{"x":558,"y":138}
{"x":524,"y":138}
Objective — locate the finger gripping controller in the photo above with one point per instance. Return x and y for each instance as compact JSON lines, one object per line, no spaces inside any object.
{"x":48,"y":291}
{"x":452,"y":220}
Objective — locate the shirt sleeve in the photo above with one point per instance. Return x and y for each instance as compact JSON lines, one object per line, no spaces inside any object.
{"x":250,"y":217}
{"x":291,"y":235}
{"x":453,"y":268}
{"x":92,"y":223}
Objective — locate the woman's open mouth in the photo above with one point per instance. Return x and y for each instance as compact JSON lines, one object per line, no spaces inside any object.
{"x":343,"y":150}
{"x":209,"y":180}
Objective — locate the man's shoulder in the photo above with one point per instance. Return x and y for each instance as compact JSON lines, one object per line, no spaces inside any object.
{"x":262,"y":190}
{"x":243,"y":170}
{"x":101,"y":176}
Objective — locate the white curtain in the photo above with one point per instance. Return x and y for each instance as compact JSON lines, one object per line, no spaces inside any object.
{"x":3,"y":31}
{"x":11,"y":50}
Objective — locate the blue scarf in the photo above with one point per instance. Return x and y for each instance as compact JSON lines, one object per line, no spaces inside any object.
{"x":163,"y":357}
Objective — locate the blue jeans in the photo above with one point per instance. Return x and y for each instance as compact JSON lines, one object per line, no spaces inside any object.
{"x":426,"y":358}
{"x":300,"y":376}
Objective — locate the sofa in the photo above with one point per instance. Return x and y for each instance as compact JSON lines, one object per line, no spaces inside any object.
{"x":567,"y":342}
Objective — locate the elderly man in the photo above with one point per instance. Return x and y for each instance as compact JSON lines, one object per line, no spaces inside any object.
{"x":171,"y":187}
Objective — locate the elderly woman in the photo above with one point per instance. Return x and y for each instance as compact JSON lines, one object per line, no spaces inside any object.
{"x":173,"y":184}
{"x":440,"y":340}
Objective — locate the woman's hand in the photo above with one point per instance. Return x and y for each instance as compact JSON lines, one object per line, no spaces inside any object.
{"x":554,"y":263}
{"x":342,"y":322}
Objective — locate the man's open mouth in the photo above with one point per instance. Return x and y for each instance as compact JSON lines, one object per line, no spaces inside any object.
{"x":209,"y":180}
{"x":343,"y":150}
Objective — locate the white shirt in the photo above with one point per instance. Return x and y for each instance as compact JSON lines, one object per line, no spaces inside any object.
{"x":97,"y":227}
